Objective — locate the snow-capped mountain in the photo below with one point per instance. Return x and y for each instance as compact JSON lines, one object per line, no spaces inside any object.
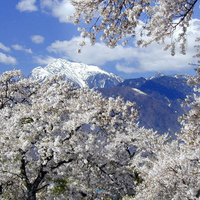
{"x":80,"y":73}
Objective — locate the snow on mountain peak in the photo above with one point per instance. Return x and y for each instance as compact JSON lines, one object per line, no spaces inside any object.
{"x":158,"y":74}
{"x":79,"y":73}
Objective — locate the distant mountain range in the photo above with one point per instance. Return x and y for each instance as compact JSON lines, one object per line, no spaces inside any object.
{"x":81,"y":74}
{"x":158,"y":98}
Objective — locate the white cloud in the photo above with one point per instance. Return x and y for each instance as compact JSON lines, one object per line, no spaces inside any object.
{"x":3,"y":47}
{"x":44,"y":60}
{"x":27,"y":5}
{"x":37,"y":39}
{"x":98,"y":54}
{"x":153,"y":58}
{"x":124,"y":68}
{"x":7,"y":59}
{"x":18,"y":47}
{"x":129,"y":59}
{"x":59,"y":9}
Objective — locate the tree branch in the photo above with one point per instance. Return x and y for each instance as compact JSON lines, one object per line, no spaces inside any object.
{"x":23,"y":169}
{"x":61,"y":163}
{"x":184,"y":15}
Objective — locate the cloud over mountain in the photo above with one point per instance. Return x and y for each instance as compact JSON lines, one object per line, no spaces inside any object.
{"x":128,"y":59}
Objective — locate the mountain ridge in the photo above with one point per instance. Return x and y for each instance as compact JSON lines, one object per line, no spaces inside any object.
{"x":81,"y":74}
{"x":158,"y":100}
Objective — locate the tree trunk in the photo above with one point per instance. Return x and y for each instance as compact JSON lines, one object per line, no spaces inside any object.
{"x":31,"y":195}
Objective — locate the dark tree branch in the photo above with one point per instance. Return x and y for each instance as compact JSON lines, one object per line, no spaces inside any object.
{"x":39,"y":179}
{"x":23,"y":170}
{"x":61,"y":163}
{"x":185,"y":14}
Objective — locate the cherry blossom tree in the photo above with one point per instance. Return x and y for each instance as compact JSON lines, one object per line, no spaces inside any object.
{"x":173,"y":172}
{"x":167,"y":169}
{"x":144,"y":20}
{"x":59,"y":141}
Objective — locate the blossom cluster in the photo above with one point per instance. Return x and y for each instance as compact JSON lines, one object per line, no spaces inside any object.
{"x":144,"y":20}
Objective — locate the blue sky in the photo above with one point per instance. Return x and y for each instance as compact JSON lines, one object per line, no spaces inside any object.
{"x":35,"y":32}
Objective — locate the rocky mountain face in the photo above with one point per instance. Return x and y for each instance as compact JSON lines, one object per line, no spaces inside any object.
{"x":81,"y":74}
{"x":158,"y":100}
